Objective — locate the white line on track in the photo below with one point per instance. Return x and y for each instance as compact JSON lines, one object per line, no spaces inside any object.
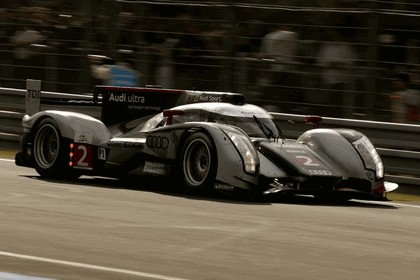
{"x":89,"y":266}
{"x":397,"y":204}
{"x":8,"y":160}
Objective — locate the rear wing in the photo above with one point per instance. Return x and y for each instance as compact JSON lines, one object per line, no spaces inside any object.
{"x":119,"y":104}
{"x":37,"y":100}
{"x":126,"y":103}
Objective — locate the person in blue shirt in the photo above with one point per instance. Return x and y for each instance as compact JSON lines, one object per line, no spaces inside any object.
{"x":121,"y":73}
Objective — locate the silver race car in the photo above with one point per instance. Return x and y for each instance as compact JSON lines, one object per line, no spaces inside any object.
{"x":203,"y":141}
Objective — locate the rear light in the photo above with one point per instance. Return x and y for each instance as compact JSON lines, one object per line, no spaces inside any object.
{"x":71,"y":154}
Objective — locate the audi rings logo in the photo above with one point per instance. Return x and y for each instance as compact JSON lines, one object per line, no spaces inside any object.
{"x":157,"y":142}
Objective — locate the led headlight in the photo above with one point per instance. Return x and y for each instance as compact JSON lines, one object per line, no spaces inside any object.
{"x":245,"y":148}
{"x":370,"y":156}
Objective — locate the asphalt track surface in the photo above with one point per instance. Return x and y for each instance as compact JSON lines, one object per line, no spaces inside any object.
{"x":99,"y":228}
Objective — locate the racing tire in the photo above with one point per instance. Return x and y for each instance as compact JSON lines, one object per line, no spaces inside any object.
{"x":49,"y":152}
{"x":198,"y":162}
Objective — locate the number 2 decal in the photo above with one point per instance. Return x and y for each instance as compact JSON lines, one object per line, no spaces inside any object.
{"x":82,"y":156}
{"x":307,"y":161}
{"x":81,"y":161}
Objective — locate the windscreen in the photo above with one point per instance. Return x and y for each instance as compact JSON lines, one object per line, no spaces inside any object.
{"x":255,"y":121}
{"x":253,"y":126}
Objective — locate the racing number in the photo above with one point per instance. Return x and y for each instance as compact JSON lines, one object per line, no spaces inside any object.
{"x":307,"y":161}
{"x":81,"y":161}
{"x":82,"y":156}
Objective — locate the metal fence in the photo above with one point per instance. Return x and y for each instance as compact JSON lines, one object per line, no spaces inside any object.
{"x":222,"y":45}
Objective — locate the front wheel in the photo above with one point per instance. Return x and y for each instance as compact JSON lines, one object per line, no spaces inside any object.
{"x":198,"y":162}
{"x":49,"y":151}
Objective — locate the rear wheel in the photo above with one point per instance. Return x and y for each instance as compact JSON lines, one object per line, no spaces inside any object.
{"x":198,"y":162}
{"x":49,"y":151}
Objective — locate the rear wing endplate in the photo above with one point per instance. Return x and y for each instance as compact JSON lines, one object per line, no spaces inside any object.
{"x":33,"y":97}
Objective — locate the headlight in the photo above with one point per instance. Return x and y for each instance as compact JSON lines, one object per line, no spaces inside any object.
{"x":245,"y":148}
{"x":370,"y":156}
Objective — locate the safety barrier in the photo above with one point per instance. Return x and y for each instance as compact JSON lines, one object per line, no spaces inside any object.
{"x":398,"y":144}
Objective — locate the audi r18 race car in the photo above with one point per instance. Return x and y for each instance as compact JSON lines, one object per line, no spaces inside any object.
{"x":201,"y":140}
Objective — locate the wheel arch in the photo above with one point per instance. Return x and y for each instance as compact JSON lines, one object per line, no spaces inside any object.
{"x":49,"y":150}
{"x":332,"y":144}
{"x":230,"y":168}
{"x":72,"y":125}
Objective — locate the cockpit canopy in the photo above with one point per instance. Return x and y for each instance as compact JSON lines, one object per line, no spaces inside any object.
{"x":253,"y":120}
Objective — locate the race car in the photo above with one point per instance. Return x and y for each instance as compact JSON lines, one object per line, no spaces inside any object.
{"x":203,"y":141}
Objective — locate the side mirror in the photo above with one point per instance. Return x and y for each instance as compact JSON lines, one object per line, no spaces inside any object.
{"x":314,"y":120}
{"x":170,"y":113}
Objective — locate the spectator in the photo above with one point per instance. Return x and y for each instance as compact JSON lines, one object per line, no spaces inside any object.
{"x":24,"y":41}
{"x":191,"y":56}
{"x":391,"y":53}
{"x":159,"y":46}
{"x":7,"y":28}
{"x":65,"y":41}
{"x":337,"y":60}
{"x":165,"y":69}
{"x":128,"y":37}
{"x":412,"y":53}
{"x":121,"y":73}
{"x":249,"y":39}
{"x":279,"y":48}
{"x":405,"y":101}
{"x":247,"y":46}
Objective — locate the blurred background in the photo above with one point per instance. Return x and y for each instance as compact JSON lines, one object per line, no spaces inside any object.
{"x":340,"y":58}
